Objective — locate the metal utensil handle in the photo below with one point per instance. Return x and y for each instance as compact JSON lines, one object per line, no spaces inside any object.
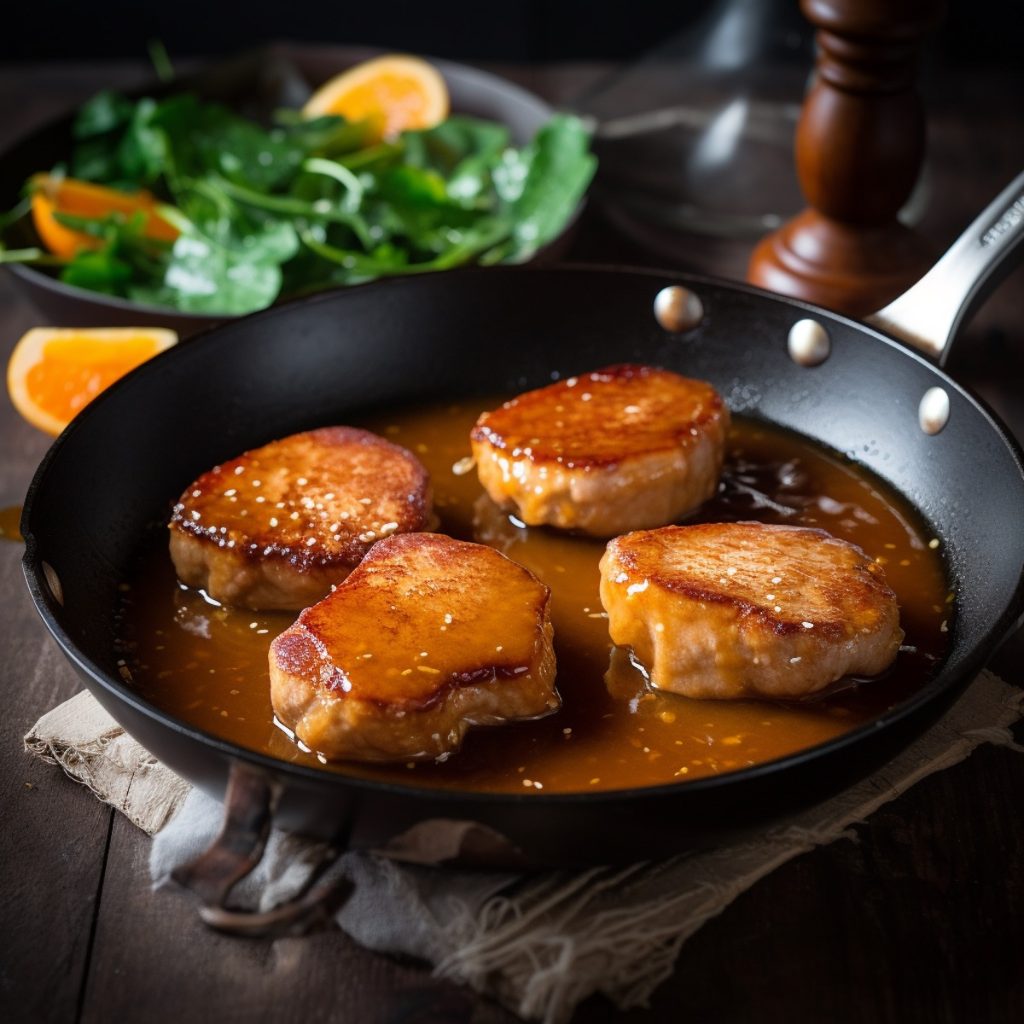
{"x":929,"y":314}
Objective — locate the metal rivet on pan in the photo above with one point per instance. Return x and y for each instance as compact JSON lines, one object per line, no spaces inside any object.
{"x":933,"y":412}
{"x":677,"y":309}
{"x":53,"y":582}
{"x":808,"y":343}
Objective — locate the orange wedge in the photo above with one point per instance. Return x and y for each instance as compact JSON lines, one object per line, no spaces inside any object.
{"x":84,"y":199}
{"x":394,"y":93}
{"x":54,"y":372}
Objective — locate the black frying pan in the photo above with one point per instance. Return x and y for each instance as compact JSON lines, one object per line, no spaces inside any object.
{"x":335,"y":356}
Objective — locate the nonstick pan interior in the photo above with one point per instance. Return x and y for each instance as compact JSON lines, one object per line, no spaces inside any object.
{"x":330,"y":359}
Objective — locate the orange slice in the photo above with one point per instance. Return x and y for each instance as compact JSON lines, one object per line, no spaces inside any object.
{"x":394,"y":93}
{"x":54,"y":372}
{"x":84,"y":199}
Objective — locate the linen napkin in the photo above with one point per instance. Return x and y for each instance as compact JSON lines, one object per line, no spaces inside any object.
{"x":538,"y":943}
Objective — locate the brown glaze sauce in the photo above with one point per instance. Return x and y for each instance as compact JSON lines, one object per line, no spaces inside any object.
{"x":208,"y":665}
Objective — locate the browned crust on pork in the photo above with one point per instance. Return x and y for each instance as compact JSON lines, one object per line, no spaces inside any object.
{"x":633,"y":553}
{"x":528,"y":424}
{"x":458,"y":634}
{"x":312,"y":477}
{"x":726,"y":610}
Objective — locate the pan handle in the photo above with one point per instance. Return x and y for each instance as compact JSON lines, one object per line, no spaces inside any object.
{"x":248,"y":811}
{"x":929,"y":314}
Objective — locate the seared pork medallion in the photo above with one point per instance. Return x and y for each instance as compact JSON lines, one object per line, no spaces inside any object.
{"x":748,"y":609}
{"x":623,"y":448}
{"x":277,"y":527}
{"x":427,"y":637}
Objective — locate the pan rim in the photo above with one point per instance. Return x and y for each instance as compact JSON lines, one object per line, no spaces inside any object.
{"x":942,"y":683}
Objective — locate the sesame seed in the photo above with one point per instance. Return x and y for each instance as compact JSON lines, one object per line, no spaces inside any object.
{"x":807,"y":625}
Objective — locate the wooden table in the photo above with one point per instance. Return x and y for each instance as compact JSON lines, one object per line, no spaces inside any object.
{"x":920,"y":919}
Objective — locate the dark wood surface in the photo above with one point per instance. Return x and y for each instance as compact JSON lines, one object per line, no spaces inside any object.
{"x":920,"y":919}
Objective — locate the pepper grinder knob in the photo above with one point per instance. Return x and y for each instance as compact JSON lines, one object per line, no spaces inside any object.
{"x":860,"y":144}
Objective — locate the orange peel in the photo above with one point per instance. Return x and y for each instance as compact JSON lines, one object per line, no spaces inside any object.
{"x":52,"y":195}
{"x":54,"y":372}
{"x":395,"y":93}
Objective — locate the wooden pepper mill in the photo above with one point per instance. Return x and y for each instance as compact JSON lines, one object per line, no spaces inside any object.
{"x":860,"y":144}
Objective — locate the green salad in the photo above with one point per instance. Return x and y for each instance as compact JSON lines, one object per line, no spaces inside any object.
{"x":262,"y":213}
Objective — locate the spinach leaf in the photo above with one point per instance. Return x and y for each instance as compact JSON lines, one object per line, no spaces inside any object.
{"x":324,"y":136}
{"x":123,"y":254}
{"x":143,"y":150}
{"x":542,"y":184}
{"x":203,"y":277}
{"x":100,"y":270}
{"x":104,"y":113}
{"x":443,"y":147}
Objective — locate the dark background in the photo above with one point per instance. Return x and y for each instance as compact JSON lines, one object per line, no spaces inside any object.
{"x":528,"y":31}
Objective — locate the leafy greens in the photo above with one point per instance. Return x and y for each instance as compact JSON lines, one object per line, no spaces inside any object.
{"x":305,"y":204}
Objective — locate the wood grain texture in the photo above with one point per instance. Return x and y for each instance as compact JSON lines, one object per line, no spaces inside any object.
{"x":921,"y":919}
{"x":154,"y":960}
{"x":53,"y":837}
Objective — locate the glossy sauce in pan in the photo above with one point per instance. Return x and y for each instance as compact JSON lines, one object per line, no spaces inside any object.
{"x":208,"y":665}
